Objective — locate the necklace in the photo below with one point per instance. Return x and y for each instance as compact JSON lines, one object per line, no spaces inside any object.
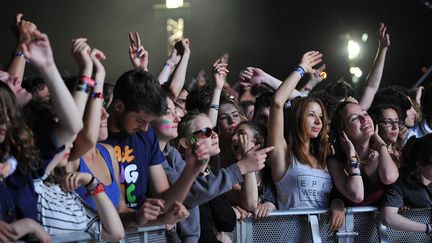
{"x":369,"y":159}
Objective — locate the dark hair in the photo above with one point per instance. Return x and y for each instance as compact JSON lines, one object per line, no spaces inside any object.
{"x":108,"y":89}
{"x":336,"y":127}
{"x":19,"y":141}
{"x":33,"y":84}
{"x":426,"y":102}
{"x":259,"y":131}
{"x":245,"y":104}
{"x":416,"y":152}
{"x":200,"y":98}
{"x":376,"y":111}
{"x":295,"y":125}
{"x":393,"y":95}
{"x":140,"y":91}
{"x":330,"y":101}
{"x":341,"y":89}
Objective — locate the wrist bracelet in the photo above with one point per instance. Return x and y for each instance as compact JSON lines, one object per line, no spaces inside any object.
{"x":89,"y":81}
{"x":97,"y":95}
{"x":214,"y":106}
{"x":92,"y":184}
{"x":82,"y":86}
{"x":98,"y":189}
{"x":355,"y":174}
{"x":354,"y":164}
{"x":300,"y":70}
{"x":168,"y":65}
{"x":20,"y":54}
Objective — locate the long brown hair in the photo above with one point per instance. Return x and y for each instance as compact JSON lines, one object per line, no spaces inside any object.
{"x":19,"y":141}
{"x":297,"y":135}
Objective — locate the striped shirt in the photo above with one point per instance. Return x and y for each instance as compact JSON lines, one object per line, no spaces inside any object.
{"x":62,"y":212}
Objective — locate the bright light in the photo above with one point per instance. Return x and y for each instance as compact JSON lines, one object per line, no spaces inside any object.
{"x":174,"y":3}
{"x":364,"y":37}
{"x":356,"y":71}
{"x":353,"y":49}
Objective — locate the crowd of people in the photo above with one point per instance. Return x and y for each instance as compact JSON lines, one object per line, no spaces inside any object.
{"x":78,"y":153}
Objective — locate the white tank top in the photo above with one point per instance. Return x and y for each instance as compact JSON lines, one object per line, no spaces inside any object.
{"x":303,"y":187}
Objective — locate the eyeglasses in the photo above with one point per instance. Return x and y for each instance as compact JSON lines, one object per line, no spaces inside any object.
{"x":206,"y":131}
{"x":391,"y":123}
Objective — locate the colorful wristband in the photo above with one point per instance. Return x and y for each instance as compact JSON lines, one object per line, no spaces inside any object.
{"x":97,"y":95}
{"x":91,"y":82}
{"x":20,"y":54}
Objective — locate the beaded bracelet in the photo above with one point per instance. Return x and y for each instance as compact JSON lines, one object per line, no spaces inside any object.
{"x":91,"y":82}
{"x":20,"y":54}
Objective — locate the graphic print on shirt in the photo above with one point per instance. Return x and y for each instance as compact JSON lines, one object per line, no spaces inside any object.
{"x":314,"y":188}
{"x":128,"y":173}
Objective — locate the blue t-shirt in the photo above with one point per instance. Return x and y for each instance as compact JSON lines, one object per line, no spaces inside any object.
{"x":111,"y":190}
{"x":135,"y":154}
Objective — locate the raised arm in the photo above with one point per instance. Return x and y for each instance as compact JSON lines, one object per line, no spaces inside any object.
{"x":37,"y":48}
{"x":179,"y":75}
{"x":374,"y":79}
{"x":88,"y":136}
{"x":137,"y":54}
{"x":169,"y":65}
{"x":252,"y":76}
{"x":278,"y":156}
{"x":219,"y":73}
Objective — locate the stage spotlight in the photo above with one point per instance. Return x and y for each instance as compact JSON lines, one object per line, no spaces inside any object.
{"x":174,"y":3}
{"x":364,"y":37}
{"x":353,"y":49}
{"x":356,"y":71}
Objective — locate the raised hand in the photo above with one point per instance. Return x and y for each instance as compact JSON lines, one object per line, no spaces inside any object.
{"x":137,"y":54}
{"x":149,"y":210}
{"x":347,"y":145}
{"x":37,"y":49}
{"x":244,"y":146}
{"x":81,"y":53}
{"x":309,"y":60}
{"x":25,"y":27}
{"x":72,"y":181}
{"x":174,"y":58}
{"x":252,"y":76}
{"x":383,"y":36}
{"x":376,"y":141}
{"x":197,"y":156}
{"x":220,"y":71}
{"x":97,"y":56}
{"x":254,"y":159}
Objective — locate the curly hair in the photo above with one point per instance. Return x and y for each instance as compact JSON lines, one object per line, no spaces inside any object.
{"x":19,"y":141}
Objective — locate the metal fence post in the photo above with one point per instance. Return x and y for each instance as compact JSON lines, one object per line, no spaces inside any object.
{"x":346,"y":233}
{"x":314,"y":224}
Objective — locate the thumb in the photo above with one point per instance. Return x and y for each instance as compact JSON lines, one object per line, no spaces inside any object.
{"x":255,"y":148}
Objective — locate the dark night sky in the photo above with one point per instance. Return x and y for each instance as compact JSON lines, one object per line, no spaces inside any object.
{"x":267,"y":34}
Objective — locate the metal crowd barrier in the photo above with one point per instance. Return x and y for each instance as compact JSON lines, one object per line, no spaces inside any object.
{"x":362,"y":224}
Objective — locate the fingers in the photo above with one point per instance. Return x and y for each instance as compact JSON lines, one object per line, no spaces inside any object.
{"x":138,"y":40}
{"x":157,"y":202}
{"x":18,"y":18}
{"x":266,"y":150}
{"x":131,"y":39}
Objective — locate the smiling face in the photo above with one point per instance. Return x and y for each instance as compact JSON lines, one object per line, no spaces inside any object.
{"x":358,"y":124}
{"x":103,"y":128}
{"x":166,"y":125}
{"x":388,"y":126}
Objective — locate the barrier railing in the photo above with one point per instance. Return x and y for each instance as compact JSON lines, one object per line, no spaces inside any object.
{"x":362,"y":224}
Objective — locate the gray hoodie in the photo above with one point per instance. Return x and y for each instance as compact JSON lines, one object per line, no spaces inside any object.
{"x":203,"y":190}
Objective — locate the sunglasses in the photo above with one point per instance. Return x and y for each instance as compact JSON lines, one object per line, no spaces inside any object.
{"x":206,"y":131}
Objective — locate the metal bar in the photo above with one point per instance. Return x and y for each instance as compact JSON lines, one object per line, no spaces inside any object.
{"x":422,"y":78}
{"x":317,"y":211}
{"x":314,"y":224}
